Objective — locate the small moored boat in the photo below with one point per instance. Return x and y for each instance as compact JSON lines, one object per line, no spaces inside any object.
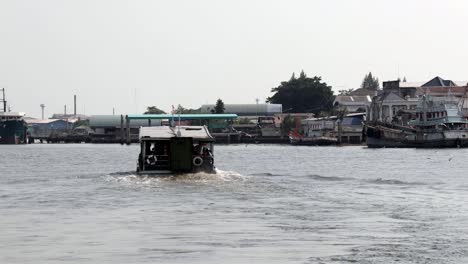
{"x":180,"y":149}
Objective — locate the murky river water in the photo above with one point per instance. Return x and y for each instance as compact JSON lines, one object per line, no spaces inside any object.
{"x":267,"y":204}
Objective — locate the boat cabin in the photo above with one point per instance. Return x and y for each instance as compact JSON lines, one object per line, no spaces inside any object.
{"x":6,"y":116}
{"x":445,"y":116}
{"x":165,"y":149}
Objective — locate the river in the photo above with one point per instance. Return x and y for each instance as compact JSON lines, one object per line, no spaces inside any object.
{"x":83,"y":203}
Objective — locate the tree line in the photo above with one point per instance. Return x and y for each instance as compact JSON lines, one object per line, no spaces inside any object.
{"x":218,"y":109}
{"x":301,"y":94}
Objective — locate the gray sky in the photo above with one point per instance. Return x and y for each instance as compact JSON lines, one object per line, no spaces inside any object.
{"x":193,"y":52}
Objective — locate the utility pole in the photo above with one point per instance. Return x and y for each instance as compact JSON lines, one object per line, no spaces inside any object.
{"x":4,"y":101}
{"x":256,"y":108}
{"x":74,"y":104}
{"x":42,"y":106}
{"x":65,"y":110}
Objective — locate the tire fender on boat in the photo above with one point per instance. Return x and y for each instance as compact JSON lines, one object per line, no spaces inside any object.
{"x":151,"y":160}
{"x":197,"y":161}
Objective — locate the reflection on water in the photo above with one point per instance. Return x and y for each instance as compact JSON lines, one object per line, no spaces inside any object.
{"x":266,"y":204}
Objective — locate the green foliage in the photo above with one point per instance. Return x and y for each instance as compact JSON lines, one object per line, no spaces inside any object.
{"x":244,"y":121}
{"x":323,"y":114}
{"x":219,"y":107}
{"x":303,"y":95}
{"x":153,"y":110}
{"x":370,"y":82}
{"x":181,"y":110}
{"x":79,"y":123}
{"x":345,"y":92}
{"x":287,"y":125}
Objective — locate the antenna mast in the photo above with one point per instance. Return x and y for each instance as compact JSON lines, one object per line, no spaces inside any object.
{"x":4,"y":101}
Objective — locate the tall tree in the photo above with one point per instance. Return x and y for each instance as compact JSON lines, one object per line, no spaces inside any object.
{"x":182,"y":110}
{"x":153,"y":110}
{"x":303,"y":95}
{"x":345,"y":92}
{"x":219,"y":107}
{"x":370,"y":82}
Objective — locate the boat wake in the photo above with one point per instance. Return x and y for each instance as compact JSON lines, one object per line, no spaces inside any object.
{"x":393,"y":182}
{"x":378,"y":181}
{"x":268,"y":174}
{"x":329,"y":178}
{"x":133,"y":178}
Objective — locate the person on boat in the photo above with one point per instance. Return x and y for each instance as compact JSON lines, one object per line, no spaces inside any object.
{"x":196,"y":149}
{"x":206,"y":151}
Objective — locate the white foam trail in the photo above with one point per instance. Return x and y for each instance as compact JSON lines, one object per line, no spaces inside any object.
{"x":230,"y":175}
{"x":205,"y":178}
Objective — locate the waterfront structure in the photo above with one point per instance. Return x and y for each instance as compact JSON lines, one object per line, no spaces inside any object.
{"x":330,"y":130}
{"x":397,"y":98}
{"x":108,"y":128}
{"x":353,"y":103}
{"x":364,"y":92}
{"x":246,"y":109}
{"x":385,"y":107}
{"x":70,"y":116}
{"x":315,"y":131}
{"x":48,"y":128}
{"x":351,"y":128}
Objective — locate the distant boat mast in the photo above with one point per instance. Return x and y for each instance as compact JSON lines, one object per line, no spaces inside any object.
{"x":4,"y":101}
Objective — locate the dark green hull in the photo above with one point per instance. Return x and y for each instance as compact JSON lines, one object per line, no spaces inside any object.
{"x":13,"y":132}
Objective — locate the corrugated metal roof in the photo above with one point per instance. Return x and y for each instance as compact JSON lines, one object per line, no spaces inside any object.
{"x":184,"y":116}
{"x":364,"y":92}
{"x":166,"y":132}
{"x":420,"y":84}
{"x":354,"y":98}
{"x":114,"y":121}
{"x":245,"y":108}
{"x":48,"y":121}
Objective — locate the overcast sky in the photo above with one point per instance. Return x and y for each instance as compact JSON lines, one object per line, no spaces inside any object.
{"x":132,"y":54}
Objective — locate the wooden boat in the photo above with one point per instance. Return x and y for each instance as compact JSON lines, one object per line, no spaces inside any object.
{"x":297,"y":139}
{"x":179,"y":149}
{"x":434,"y":125}
{"x":13,"y":129}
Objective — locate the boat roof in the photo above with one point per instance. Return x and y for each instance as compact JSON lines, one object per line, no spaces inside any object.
{"x":15,"y":114}
{"x":185,"y":116}
{"x":167,"y":132}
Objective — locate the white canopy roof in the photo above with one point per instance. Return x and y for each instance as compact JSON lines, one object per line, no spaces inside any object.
{"x":166,"y":132}
{"x":13,"y":114}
